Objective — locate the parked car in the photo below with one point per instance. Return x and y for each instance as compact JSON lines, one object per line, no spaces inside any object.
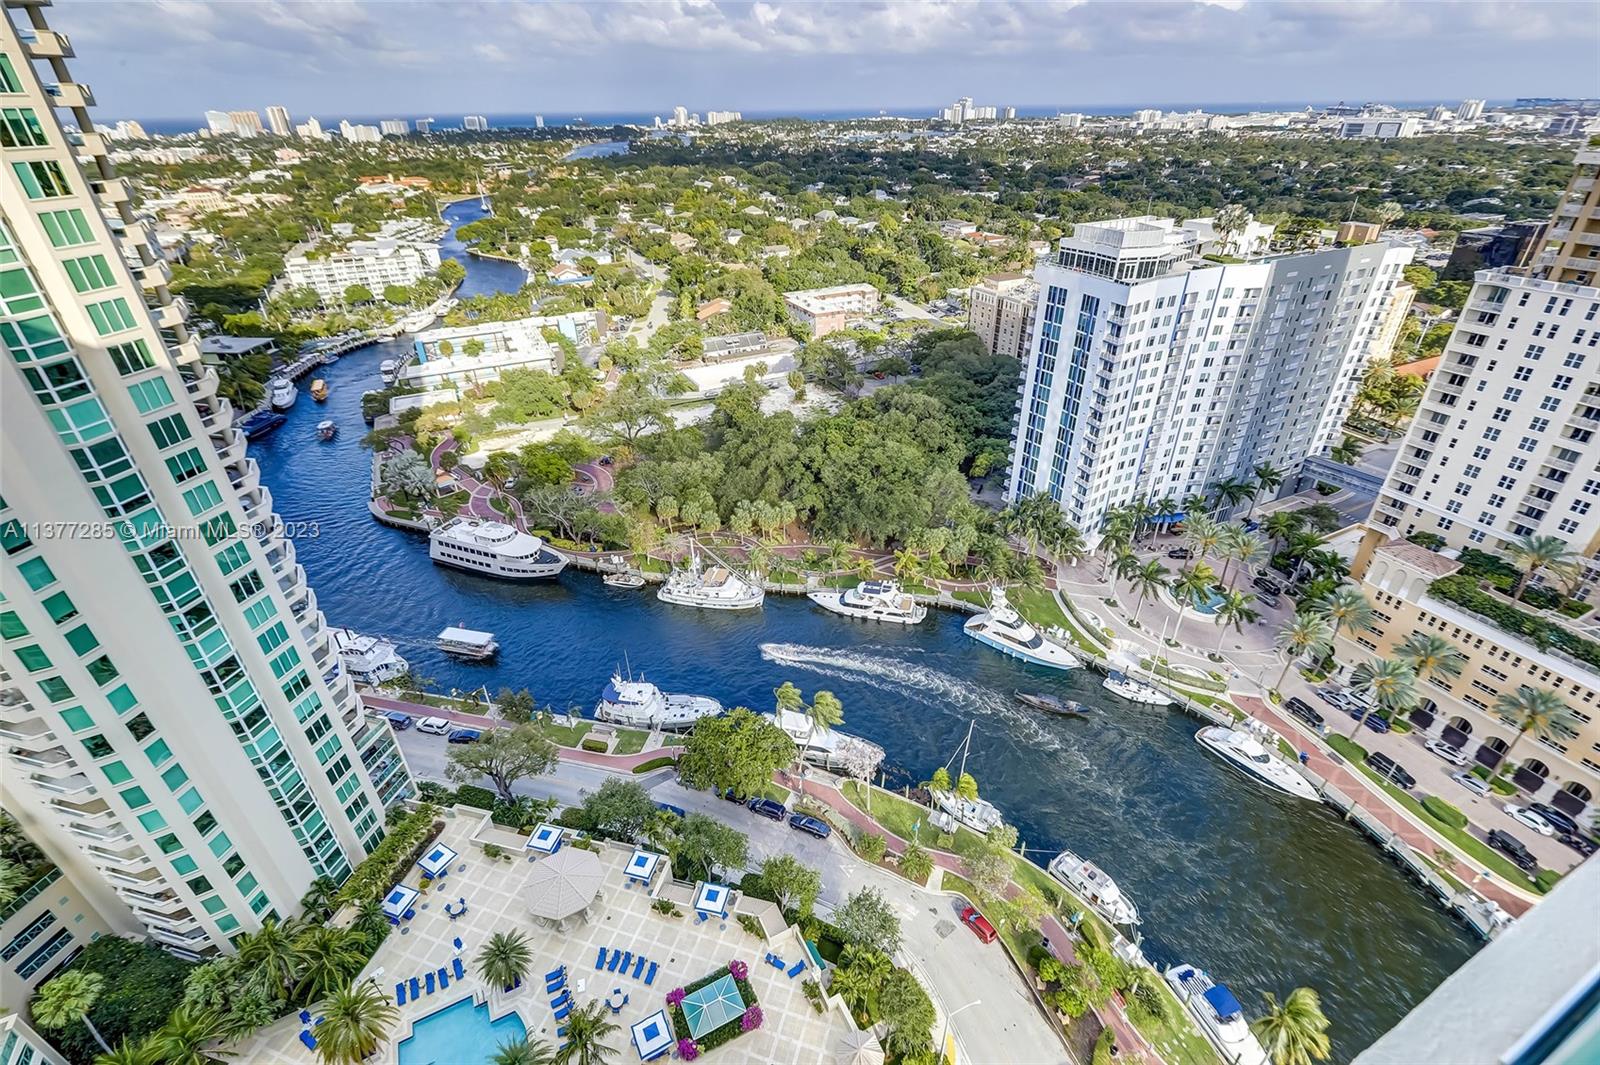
{"x":434,"y":726}
{"x":1448,"y":751}
{"x":671,"y":809}
{"x":769,"y":808}
{"x":1559,"y":820}
{"x":1524,"y":816}
{"x":1303,"y":710}
{"x":465,"y":735}
{"x":1267,"y":584}
{"x":1582,"y":844}
{"x":1268,"y":599}
{"x":979,"y":924}
{"x":1476,"y":785}
{"x":812,"y":825}
{"x":1390,"y":770}
{"x":1179,"y":552}
{"x":398,"y":721}
{"x":1333,"y":696}
{"x":733,"y":796}
{"x":1371,"y":721}
{"x":1512,"y":848}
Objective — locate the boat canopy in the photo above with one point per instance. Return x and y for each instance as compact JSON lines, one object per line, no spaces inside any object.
{"x":466,"y":637}
{"x":1222,"y":1000}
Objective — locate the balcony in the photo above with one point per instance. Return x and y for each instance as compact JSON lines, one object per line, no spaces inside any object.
{"x":87,"y":144}
{"x":152,"y":276}
{"x":71,"y":784}
{"x":203,"y":385}
{"x":171,"y":314}
{"x":28,"y":731}
{"x":257,"y":505}
{"x":50,"y":760}
{"x":117,"y":876}
{"x":69,"y":94}
{"x":112,"y":191}
{"x":230,"y":448}
{"x":244,"y":475}
{"x":45,"y":44}
{"x":186,"y":352}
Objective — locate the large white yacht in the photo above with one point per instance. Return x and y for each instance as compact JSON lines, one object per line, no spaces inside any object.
{"x":282,"y":393}
{"x":1002,"y":628}
{"x":1219,"y":1014}
{"x":1096,"y":888}
{"x":980,"y":815}
{"x":369,"y":660}
{"x":1136,"y":691}
{"x":493,"y":549}
{"x":1243,"y":749}
{"x":640,"y":704}
{"x":829,"y":748}
{"x":716,"y":588}
{"x":872,"y":601}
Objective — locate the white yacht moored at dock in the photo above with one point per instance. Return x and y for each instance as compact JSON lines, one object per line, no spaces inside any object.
{"x":1218,"y":1013}
{"x":388,"y":372}
{"x":716,"y":588}
{"x":829,"y":748}
{"x":879,"y":600}
{"x":282,"y":393}
{"x":1002,"y":628}
{"x":1244,"y":750}
{"x":640,"y":704}
{"x":1136,"y":691}
{"x":468,"y":643}
{"x":979,"y":815}
{"x":369,"y":660}
{"x":1096,"y":888}
{"x":493,"y":549}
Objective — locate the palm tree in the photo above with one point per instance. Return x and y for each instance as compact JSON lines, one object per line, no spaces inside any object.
{"x":1346,"y":609}
{"x":1268,"y":478}
{"x":1065,"y":542}
{"x":1279,"y":526}
{"x":356,"y":1020}
{"x":859,"y":976}
{"x":587,"y":1030}
{"x":1389,"y":683}
{"x":1431,"y":656}
{"x":126,"y":1053}
{"x":1235,"y":544}
{"x":1202,"y":535}
{"x":317,"y":902}
{"x":907,"y":564}
{"x":1295,"y":1033}
{"x":1194,"y":583}
{"x":1302,"y":634}
{"x":1235,"y":610}
{"x":505,"y":959}
{"x":838,"y":555}
{"x":825,"y":712}
{"x":787,"y":697}
{"x":67,"y":998}
{"x":1535,"y":710}
{"x":524,"y":1052}
{"x":1195,"y":503}
{"x":1147,"y":580}
{"x":328,"y":959}
{"x":182,"y":1040}
{"x":1534,"y":553}
{"x":270,"y":959}
{"x":1347,"y":451}
{"x":1125,"y":565}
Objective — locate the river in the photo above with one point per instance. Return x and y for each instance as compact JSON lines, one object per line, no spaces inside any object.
{"x":1266,"y":892}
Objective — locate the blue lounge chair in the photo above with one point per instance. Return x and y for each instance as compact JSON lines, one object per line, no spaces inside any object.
{"x":627,"y":959}
{"x":557,"y":974}
{"x":460,"y":970}
{"x":416,"y":989}
{"x":305,"y":1016}
{"x":611,"y":964}
{"x":600,"y":959}
{"x":458,"y":942}
{"x":638,"y":967}
{"x":444,"y":979}
{"x":309,"y":1040}
{"x":561,"y":1033}
{"x":400,"y":994}
{"x":650,"y":976}
{"x":563,"y":999}
{"x":561,"y":1014}
{"x":797,"y":968}
{"x":427,"y":981}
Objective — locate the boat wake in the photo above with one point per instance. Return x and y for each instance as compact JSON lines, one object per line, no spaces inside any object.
{"x":920,"y":683}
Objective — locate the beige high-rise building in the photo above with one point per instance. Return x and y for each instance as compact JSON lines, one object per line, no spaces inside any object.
{"x":1393,"y":320}
{"x":246,"y":123}
{"x":179,"y":733}
{"x":278,"y":121}
{"x":1573,"y":251}
{"x":1000,"y":310}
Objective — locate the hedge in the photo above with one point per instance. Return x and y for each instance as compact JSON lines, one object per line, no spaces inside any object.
{"x":655,"y":763}
{"x":600,"y":746}
{"x":1462,"y":589}
{"x":389,"y":860}
{"x":1443,"y":812}
{"x":717,"y":1036}
{"x":472,"y":795}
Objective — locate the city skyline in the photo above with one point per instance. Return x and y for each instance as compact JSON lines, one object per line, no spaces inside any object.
{"x":352,"y":58}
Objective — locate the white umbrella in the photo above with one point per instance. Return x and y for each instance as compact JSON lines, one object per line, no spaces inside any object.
{"x":858,"y":1048}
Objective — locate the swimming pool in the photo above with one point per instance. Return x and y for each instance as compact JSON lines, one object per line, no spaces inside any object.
{"x":460,"y":1035}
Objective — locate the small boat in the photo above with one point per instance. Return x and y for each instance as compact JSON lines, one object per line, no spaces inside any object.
{"x":388,"y":371}
{"x":1136,"y":691}
{"x":261,"y":423}
{"x":977,"y":814}
{"x":622,"y":580}
{"x":829,"y":748}
{"x":368,"y":659}
{"x":881,"y":600}
{"x":1243,"y":749}
{"x":319,"y":390}
{"x":1052,"y":705}
{"x":327,"y":429}
{"x":640,"y":704}
{"x":1002,"y":628}
{"x":1219,"y":1014}
{"x":468,"y":643}
{"x":283,"y":393}
{"x":1096,"y":888}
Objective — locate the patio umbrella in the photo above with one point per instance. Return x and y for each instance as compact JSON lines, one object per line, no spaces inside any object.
{"x":858,"y":1048}
{"x":564,"y":885}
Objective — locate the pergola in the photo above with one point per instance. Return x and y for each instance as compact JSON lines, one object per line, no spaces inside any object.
{"x":564,"y":888}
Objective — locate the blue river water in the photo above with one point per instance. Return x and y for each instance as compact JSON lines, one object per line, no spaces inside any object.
{"x":1266,"y":892}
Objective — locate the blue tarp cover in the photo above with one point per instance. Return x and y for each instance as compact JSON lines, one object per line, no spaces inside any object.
{"x":1223,"y":1002}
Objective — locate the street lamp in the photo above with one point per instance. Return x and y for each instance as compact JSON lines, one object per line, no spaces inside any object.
{"x":944,"y":1036}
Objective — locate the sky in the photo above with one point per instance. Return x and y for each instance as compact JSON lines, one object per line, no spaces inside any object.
{"x":176,"y":58}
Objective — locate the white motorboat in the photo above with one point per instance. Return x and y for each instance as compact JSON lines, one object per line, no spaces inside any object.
{"x":640,"y":704}
{"x":388,"y":371}
{"x":468,"y":643}
{"x":872,"y":601}
{"x":1096,"y":888}
{"x":282,"y":393}
{"x":327,"y":429}
{"x":622,"y":580}
{"x":716,"y":588}
{"x":829,"y":748}
{"x":1219,"y":1014}
{"x":1002,"y":628}
{"x":1137,"y":691}
{"x":370,"y":660}
{"x":1244,"y":750}
{"x":493,"y":549}
{"x":980,"y":815}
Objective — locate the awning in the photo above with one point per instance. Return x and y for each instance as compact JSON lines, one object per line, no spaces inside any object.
{"x":437,"y":861}
{"x":399,"y":901}
{"x":546,"y":839}
{"x":856,"y":1047}
{"x":1223,"y":1002}
{"x":711,"y":1007}
{"x":652,"y":1036}
{"x":564,"y":884}
{"x":642,"y":866}
{"x":711,"y":898}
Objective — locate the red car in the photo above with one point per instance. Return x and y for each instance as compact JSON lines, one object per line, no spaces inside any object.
{"x":979,"y":924}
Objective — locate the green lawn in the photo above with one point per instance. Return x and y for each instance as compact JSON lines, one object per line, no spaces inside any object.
{"x":653,"y":764}
{"x":1041,"y":608}
{"x":629,"y":741}
{"x":1474,"y":848}
{"x":566,"y":735}
{"x":1176,"y":1040}
{"x":900,"y":816}
{"x":969,"y":595}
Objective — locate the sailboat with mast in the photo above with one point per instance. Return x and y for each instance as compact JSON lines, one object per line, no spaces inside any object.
{"x":718,"y":587}
{"x":976,"y":814}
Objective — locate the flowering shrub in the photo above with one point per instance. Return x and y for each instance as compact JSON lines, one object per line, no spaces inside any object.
{"x":688,"y":1050}
{"x":676,"y":996}
{"x":751,"y":1020}
{"x":739,"y":969}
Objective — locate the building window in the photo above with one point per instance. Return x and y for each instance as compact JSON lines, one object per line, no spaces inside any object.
{"x":111,"y":316}
{"x":42,"y":179}
{"x":66,"y":229}
{"x":90,"y":273}
{"x":20,"y":128}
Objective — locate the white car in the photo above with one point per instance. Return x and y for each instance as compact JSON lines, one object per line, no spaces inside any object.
{"x":434,"y":726}
{"x":1476,"y":785}
{"x":1448,"y":751}
{"x":1523,"y":815}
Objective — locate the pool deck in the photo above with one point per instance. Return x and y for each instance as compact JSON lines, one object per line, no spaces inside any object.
{"x":496,"y":893}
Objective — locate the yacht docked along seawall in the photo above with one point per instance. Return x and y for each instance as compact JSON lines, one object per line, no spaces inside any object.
{"x":1245,"y":749}
{"x":876,"y":600}
{"x":1218,"y":1014}
{"x":716,"y":587}
{"x":1095,"y":887}
{"x":1002,"y":628}
{"x":637,"y":703}
{"x":493,"y":549}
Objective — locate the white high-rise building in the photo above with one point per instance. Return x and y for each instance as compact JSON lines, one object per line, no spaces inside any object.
{"x":310,"y":130}
{"x":370,"y":263}
{"x":394,"y":127}
{"x":1152,"y":373}
{"x":278,"y":121}
{"x":680,"y":116}
{"x":475,"y":123}
{"x":219,"y":122}
{"x":424,"y":126}
{"x":1469,"y":110}
{"x":246,"y":123}
{"x":179,"y":732}
{"x":718,"y":118}
{"x":538,"y":122}
{"x":354,"y":133}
